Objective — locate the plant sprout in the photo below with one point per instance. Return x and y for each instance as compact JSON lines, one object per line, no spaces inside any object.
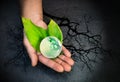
{"x":51,"y":37}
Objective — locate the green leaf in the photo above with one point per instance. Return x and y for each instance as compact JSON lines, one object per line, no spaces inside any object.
{"x":54,"y":30}
{"x":34,"y":33}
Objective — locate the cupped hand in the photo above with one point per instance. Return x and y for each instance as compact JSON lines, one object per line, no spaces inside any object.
{"x":62,"y":63}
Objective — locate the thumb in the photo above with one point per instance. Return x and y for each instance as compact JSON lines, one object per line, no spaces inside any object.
{"x":34,"y":59}
{"x":31,"y":52}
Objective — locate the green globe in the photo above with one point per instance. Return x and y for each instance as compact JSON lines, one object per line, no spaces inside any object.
{"x":50,"y":47}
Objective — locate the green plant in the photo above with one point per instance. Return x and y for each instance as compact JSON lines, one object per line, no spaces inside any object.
{"x":36,"y":34}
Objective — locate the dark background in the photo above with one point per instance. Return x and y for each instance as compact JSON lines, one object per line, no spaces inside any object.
{"x":91,"y":33}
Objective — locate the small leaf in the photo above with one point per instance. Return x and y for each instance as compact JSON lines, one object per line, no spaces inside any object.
{"x":34,"y":33}
{"x":54,"y":30}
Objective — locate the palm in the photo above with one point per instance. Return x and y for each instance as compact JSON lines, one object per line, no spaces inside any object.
{"x":60,"y":64}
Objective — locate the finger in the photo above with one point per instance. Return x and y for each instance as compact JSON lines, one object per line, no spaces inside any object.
{"x":66,"y":59}
{"x":34,"y":59}
{"x":50,"y":63}
{"x":66,"y":52}
{"x":66,"y":66}
{"x":31,"y":52}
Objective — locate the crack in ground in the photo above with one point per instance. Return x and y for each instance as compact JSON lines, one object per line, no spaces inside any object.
{"x":81,"y":51}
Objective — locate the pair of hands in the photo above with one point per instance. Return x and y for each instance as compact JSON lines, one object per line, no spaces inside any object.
{"x":62,"y":63}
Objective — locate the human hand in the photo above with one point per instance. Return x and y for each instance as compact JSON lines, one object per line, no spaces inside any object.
{"x":62,"y":63}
